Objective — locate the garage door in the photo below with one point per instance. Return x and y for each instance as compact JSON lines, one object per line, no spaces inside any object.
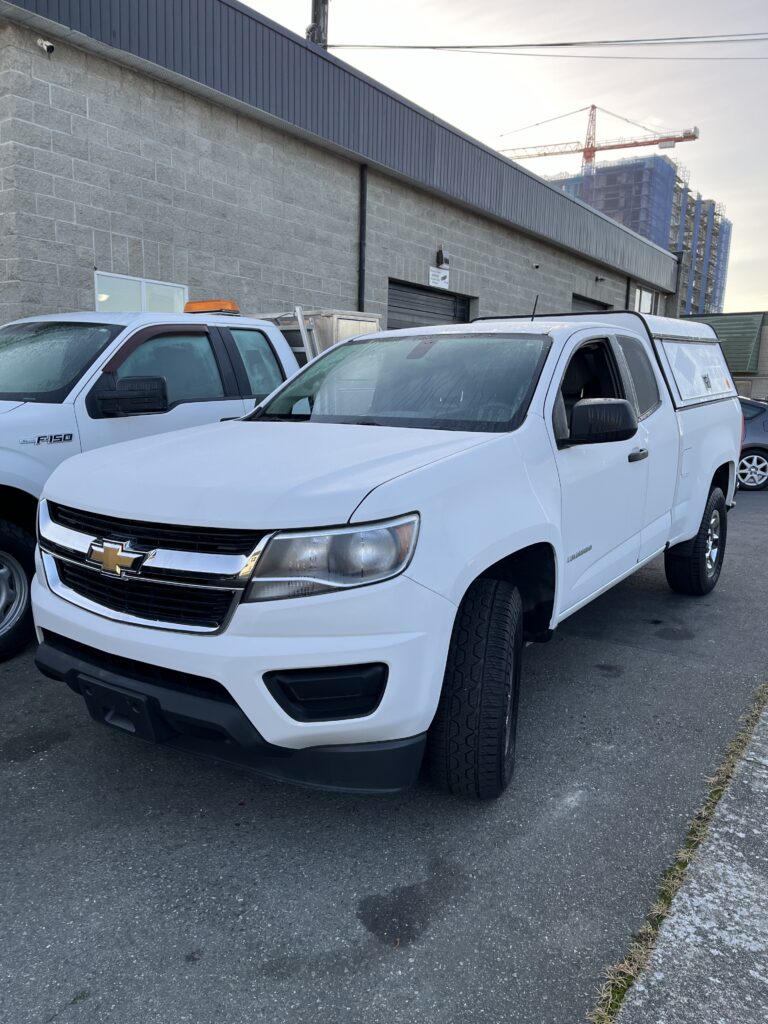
{"x":580,"y":304}
{"x":411,"y":306}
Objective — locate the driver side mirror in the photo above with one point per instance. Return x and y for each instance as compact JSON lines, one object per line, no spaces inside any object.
{"x":129,"y":396}
{"x":597,"y":420}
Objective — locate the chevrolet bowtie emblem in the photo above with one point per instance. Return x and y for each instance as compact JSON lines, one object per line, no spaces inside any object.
{"x":114,"y":557}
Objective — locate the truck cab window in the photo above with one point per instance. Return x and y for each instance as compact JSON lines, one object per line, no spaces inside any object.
{"x":591,"y":373}
{"x":260,"y":362}
{"x":187,"y":363}
{"x":643,"y":377}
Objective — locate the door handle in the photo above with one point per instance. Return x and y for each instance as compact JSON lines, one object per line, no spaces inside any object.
{"x":638,"y":455}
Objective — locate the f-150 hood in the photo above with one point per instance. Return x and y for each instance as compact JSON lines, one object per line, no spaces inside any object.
{"x":249,"y":474}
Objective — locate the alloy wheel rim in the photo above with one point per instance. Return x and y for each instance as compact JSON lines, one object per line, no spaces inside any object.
{"x":753,"y":470}
{"x":509,"y":723}
{"x":14,"y":592}
{"x":712,"y":548}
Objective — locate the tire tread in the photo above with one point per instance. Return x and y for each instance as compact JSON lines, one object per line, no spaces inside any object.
{"x":463,"y":751}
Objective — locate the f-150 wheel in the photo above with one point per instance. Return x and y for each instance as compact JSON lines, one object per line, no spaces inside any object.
{"x":752,"y":471}
{"x":17,"y":566}
{"x":694,"y":567}
{"x":471,"y":743}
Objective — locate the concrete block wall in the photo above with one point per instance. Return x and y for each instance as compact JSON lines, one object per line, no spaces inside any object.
{"x":489,"y":262}
{"x":104,"y":167}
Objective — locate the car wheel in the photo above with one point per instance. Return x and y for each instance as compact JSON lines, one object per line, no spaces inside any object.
{"x":471,"y":743}
{"x":17,"y":567}
{"x":752,"y":472}
{"x":694,"y":567}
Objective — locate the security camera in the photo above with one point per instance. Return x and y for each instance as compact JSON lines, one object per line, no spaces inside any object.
{"x":46,"y":45}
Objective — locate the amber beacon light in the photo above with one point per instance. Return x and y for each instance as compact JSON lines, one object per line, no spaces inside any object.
{"x":212,"y":306}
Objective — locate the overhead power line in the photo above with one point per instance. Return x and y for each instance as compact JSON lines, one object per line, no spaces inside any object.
{"x":722,"y":38}
{"x":586,"y":56}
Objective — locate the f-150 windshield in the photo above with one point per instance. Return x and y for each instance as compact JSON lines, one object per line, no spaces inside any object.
{"x":40,"y":362}
{"x":446,"y":381}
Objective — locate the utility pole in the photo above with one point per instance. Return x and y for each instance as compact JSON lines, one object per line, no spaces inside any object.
{"x":317,"y":32}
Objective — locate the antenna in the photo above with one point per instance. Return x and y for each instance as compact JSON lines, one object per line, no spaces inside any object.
{"x":533,"y":314}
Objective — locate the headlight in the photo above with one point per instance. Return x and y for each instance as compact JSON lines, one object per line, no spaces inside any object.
{"x":300,"y":564}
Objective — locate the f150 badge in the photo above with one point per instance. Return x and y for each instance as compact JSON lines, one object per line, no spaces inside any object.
{"x":47,"y":439}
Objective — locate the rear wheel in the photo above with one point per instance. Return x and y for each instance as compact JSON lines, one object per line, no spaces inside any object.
{"x":471,"y":743}
{"x":752,"y":472}
{"x":694,"y":567}
{"x":17,"y":566}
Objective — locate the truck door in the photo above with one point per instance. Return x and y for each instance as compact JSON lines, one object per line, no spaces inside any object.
{"x":658,"y":435}
{"x":200,"y":384}
{"x":602,"y":485}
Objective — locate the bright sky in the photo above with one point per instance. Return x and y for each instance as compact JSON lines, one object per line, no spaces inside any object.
{"x":486,"y":96}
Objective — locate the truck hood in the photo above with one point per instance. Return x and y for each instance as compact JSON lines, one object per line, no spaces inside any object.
{"x":9,"y":406}
{"x":250,"y":474}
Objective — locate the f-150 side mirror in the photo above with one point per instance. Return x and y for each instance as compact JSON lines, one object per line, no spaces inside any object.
{"x":131,"y":396}
{"x":597,"y":420}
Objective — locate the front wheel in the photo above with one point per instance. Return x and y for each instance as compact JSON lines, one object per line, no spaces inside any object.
{"x":471,"y":743}
{"x":694,"y":567}
{"x":17,"y":567}
{"x":752,"y":471}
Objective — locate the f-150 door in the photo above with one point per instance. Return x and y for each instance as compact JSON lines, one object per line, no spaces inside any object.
{"x":199,"y":378}
{"x":602,"y":484}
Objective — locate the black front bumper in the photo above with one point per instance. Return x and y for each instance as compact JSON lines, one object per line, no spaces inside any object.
{"x":199,"y":716}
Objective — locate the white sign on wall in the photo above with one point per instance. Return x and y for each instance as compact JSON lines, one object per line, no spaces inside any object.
{"x":439,"y":278}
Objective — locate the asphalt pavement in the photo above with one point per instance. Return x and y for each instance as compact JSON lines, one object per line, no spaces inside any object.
{"x":142,"y":885}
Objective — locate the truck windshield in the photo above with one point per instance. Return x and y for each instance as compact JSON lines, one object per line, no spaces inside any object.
{"x":41,"y":362}
{"x":480,"y":382}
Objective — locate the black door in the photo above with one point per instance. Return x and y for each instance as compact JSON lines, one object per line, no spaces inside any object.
{"x":412,"y":306}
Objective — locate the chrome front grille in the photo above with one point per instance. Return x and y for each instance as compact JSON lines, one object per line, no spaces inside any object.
{"x":166,"y":585}
{"x":148,"y":600}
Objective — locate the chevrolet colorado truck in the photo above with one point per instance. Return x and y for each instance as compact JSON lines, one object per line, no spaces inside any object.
{"x":78,"y":381}
{"x":340,"y":584}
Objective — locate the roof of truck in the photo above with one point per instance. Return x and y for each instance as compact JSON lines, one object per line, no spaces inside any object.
{"x":655,"y":326}
{"x":143,"y":319}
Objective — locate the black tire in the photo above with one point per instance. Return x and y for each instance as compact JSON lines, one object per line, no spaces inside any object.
{"x":752,"y":470}
{"x":689,"y":566}
{"x":471,"y":743}
{"x":17,"y":567}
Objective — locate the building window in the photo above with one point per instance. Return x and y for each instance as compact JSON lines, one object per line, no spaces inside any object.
{"x":116,"y":293}
{"x":646,"y":301}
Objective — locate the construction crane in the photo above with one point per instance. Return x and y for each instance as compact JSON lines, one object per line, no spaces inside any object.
{"x":590,"y":146}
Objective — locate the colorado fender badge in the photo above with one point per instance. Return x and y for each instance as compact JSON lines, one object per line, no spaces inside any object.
{"x":578,"y":554}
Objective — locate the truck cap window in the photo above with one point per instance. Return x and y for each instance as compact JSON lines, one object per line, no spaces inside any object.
{"x":41,"y":362}
{"x":480,"y":382}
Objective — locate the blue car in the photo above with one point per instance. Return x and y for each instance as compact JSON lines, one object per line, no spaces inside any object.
{"x":753,"y":464}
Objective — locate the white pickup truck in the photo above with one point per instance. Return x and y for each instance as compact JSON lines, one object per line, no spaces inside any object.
{"x":69,"y":383}
{"x":342,"y":582}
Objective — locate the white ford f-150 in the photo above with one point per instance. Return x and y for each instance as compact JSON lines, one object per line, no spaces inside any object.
{"x":69,"y":383}
{"x":340,"y":584}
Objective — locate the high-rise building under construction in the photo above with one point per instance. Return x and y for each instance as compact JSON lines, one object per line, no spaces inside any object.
{"x":651,"y":195}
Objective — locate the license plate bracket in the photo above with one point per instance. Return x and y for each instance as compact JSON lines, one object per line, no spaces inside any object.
{"x":126,"y":710}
